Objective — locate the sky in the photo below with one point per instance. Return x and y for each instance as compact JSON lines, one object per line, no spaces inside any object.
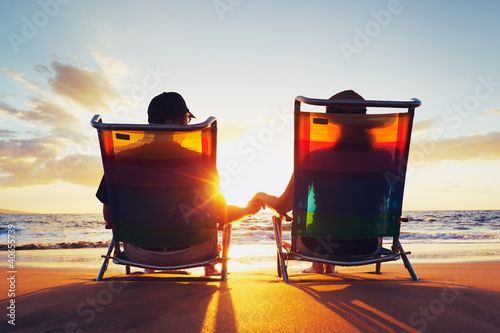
{"x":244,"y":62}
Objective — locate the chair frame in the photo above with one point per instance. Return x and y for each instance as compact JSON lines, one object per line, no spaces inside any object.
{"x":114,"y":247}
{"x":397,"y":251}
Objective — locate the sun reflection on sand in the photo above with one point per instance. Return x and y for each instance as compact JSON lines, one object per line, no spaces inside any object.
{"x":375,"y":313}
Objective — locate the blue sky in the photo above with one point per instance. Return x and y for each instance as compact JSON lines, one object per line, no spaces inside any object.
{"x":244,"y":62}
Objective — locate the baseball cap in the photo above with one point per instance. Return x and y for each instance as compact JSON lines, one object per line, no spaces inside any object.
{"x":167,"y":106}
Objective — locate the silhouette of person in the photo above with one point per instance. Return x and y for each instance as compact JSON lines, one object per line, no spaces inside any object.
{"x":170,"y":108}
{"x":322,"y":194}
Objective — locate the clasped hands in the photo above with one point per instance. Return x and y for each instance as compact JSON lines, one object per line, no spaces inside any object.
{"x":262,"y":200}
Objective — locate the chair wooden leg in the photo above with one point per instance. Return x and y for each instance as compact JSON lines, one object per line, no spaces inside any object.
{"x":104,"y":266}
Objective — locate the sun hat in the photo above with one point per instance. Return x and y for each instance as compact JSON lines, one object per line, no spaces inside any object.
{"x":349,"y":95}
{"x":355,"y":115}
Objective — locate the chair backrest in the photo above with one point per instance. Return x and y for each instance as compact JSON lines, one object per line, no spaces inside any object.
{"x":161,"y":182}
{"x":349,"y":170}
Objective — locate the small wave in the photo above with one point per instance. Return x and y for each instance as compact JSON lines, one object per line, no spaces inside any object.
{"x":64,"y":245}
{"x":414,"y":236}
{"x":260,"y":228}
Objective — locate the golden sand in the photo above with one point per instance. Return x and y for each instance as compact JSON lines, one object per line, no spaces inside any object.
{"x":54,"y":297}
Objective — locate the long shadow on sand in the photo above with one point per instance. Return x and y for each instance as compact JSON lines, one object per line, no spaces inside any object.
{"x":257,"y":302}
{"x":377,"y":303}
{"x":132,"y":303}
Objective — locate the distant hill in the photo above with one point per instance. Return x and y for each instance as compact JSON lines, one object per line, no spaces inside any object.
{"x":8,"y":211}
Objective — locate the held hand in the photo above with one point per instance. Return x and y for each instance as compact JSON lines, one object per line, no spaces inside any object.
{"x":266,"y":199}
{"x":275,"y":203}
{"x":254,"y":206}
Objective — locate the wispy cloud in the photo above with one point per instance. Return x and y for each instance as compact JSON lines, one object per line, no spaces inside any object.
{"x":115,"y":71}
{"x":47,"y":140}
{"x":6,"y":109}
{"x":35,"y":162}
{"x":23,"y":161}
{"x":474,"y":147}
{"x":77,"y":169}
{"x":4,"y":133}
{"x":44,"y":116}
{"x":87,"y":87}
{"x":20,"y":78}
{"x":231,"y":132}
{"x":425,"y":125}
{"x":492,"y":111}
{"x":454,"y":188}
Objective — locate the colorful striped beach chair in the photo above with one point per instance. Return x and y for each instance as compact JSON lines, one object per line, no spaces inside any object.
{"x":162,"y":184}
{"x":349,"y":175}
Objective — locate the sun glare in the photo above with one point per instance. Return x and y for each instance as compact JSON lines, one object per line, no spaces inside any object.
{"x":246,"y":169}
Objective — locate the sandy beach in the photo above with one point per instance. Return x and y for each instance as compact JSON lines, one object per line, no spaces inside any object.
{"x":61,"y":295}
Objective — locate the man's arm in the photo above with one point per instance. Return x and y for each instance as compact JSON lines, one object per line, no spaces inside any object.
{"x":107,"y":216}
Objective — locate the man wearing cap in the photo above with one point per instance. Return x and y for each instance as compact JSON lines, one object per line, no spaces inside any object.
{"x":170,"y":108}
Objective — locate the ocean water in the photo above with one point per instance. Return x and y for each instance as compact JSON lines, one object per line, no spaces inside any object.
{"x":431,"y":236}
{"x":56,"y":231}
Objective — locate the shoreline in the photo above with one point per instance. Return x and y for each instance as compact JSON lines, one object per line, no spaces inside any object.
{"x":263,"y":255}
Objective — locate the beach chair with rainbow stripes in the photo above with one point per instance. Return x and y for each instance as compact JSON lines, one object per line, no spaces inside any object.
{"x":349,"y":175}
{"x":162,"y":184}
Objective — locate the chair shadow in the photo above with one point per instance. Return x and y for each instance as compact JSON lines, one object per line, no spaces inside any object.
{"x":160,"y":302}
{"x":132,"y":302}
{"x":377,"y":303}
